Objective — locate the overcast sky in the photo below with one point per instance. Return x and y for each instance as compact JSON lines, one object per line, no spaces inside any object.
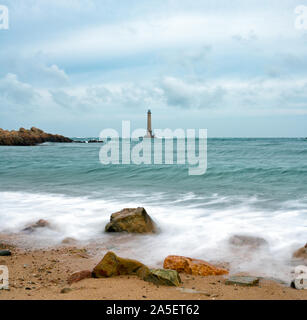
{"x":237,"y":68}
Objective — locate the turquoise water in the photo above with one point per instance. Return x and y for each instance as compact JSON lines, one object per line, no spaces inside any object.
{"x":252,"y":186}
{"x":273,"y":170}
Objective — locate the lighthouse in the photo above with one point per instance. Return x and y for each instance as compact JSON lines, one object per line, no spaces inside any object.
{"x":149,"y":128}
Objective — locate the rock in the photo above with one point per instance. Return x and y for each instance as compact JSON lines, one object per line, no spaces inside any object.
{"x":94,"y":141}
{"x":131,"y":220}
{"x":30,"y":137}
{"x":159,"y":276}
{"x":112,"y":265}
{"x":301,"y":253}
{"x":6,"y":246}
{"x":39,"y":224}
{"x":78,"y":276}
{"x":66,"y":290}
{"x":247,"y":241}
{"x":4,"y":253}
{"x":193,"y":291}
{"x":164,"y":277}
{"x":192,"y":266}
{"x":89,"y":141}
{"x":69,"y":241}
{"x":242,"y":281}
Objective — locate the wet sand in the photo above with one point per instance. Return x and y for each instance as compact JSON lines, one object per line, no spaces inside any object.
{"x":42,"y":275}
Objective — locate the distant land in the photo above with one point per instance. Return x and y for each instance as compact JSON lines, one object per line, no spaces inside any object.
{"x":31,"y":137}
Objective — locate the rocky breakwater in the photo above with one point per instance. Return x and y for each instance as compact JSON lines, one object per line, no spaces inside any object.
{"x":30,"y":137}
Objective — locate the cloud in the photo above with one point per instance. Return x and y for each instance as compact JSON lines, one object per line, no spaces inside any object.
{"x":81,"y":58}
{"x":13,"y":91}
{"x":223,"y":95}
{"x":53,"y":73}
{"x":34,"y":69}
{"x":246,"y":38}
{"x":152,"y":33}
{"x":126,"y":96}
{"x":186,"y":95}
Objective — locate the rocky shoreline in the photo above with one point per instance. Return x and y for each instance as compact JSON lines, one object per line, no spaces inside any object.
{"x":32,"y":137}
{"x":69,"y":271}
{"x":65,"y":273}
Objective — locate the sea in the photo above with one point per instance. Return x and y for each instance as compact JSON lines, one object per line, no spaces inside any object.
{"x":252,"y":187}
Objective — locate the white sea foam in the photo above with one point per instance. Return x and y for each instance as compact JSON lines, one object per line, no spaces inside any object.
{"x":184,"y":229}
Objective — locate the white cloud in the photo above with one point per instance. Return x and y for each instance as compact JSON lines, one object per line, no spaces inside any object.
{"x":152,"y":33}
{"x":191,"y":95}
{"x":14,"y":91}
{"x":257,"y":95}
{"x":54,"y":73}
{"x":245,"y":38}
{"x":33,"y":69}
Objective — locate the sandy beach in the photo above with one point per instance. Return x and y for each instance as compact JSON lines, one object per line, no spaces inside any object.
{"x":42,"y":275}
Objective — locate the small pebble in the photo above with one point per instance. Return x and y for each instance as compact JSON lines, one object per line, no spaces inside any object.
{"x":66,"y":290}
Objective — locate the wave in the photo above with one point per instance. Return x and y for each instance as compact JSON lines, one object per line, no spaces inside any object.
{"x":184,"y":229}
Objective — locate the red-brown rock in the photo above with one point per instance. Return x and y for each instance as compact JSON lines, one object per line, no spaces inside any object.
{"x":192,"y":266}
{"x":78,"y":276}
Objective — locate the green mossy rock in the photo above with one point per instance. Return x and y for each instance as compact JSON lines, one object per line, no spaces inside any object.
{"x":111,"y":265}
{"x":163,"y":277}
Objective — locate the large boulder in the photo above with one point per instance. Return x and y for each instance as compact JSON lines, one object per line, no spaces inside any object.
{"x":161,"y":277}
{"x":301,"y":253}
{"x":192,"y":266}
{"x":247,"y":241}
{"x":131,"y":220}
{"x":112,"y":265}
